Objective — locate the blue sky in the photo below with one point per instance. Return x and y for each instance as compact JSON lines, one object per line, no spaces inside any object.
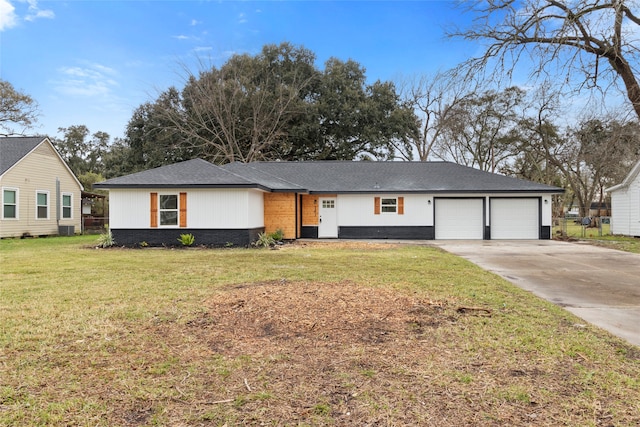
{"x":93,"y":62}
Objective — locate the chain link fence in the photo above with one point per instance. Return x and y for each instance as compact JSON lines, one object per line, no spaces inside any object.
{"x":586,"y":227}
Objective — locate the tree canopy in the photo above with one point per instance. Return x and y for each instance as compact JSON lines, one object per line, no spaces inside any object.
{"x":276,"y":105}
{"x":18,"y":111}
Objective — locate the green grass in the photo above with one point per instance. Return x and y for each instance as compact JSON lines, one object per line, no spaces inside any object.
{"x":108,"y":337}
{"x":596,"y":236}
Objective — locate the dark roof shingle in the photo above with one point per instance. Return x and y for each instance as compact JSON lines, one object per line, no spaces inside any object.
{"x":191,"y":173}
{"x":14,"y":148}
{"x":329,"y":177}
{"x":376,"y":177}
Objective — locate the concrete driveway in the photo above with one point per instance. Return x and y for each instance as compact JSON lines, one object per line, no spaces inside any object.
{"x":602,"y":286}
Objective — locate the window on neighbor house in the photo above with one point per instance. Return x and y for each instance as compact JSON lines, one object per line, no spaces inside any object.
{"x":389,"y":205}
{"x":9,"y":204}
{"x":168,"y":209}
{"x":42,"y":205}
{"x":66,"y":206}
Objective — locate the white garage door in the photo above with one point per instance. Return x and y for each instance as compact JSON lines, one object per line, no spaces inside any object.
{"x":514,"y":218}
{"x":459,"y":218}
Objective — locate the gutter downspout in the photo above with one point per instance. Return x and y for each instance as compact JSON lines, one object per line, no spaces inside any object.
{"x":58,"y":202}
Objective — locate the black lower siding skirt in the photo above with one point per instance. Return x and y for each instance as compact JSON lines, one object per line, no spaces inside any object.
{"x":391,"y":232}
{"x":170,"y":236}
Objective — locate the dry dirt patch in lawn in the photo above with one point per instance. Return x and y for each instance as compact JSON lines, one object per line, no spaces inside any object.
{"x":347,"y":354}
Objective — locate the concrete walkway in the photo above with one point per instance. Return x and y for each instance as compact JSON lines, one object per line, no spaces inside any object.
{"x":602,"y":286}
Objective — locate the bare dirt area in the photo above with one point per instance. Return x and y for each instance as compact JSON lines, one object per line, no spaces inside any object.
{"x":292,"y":353}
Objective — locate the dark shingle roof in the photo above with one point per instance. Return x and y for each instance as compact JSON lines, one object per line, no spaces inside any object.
{"x":14,"y":148}
{"x":191,"y":173}
{"x":377,"y":177}
{"x":329,"y":177}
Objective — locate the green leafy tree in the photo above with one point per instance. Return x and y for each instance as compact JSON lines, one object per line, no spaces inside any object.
{"x":273,"y":105}
{"x":17,"y":110}
{"x":83,"y":152}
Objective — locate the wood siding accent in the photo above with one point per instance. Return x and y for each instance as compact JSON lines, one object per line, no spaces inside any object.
{"x":280,"y":213}
{"x":400,"y":205}
{"x":153,"y":218}
{"x":309,"y":209}
{"x":183,"y":210}
{"x":376,"y":205}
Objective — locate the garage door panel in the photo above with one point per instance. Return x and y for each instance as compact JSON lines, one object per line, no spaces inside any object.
{"x":459,"y":218}
{"x":515,"y":218}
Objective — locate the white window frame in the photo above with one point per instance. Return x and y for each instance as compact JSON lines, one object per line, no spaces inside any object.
{"x":63,"y":195}
{"x":17,"y":195}
{"x":176,"y":210}
{"x":328,"y":204}
{"x":393,"y":206}
{"x":47,"y":206}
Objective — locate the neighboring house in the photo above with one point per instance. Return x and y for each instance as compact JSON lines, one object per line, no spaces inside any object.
{"x":324,"y":199}
{"x":39,"y":194}
{"x":625,"y":204}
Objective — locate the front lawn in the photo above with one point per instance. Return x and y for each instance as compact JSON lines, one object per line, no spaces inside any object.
{"x":307,"y":335}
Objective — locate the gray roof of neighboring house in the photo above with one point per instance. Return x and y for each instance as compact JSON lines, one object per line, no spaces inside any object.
{"x":376,"y":177}
{"x":329,"y":177}
{"x":191,"y":173}
{"x":14,"y":148}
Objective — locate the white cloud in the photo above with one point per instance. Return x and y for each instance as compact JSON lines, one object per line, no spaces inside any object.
{"x":89,"y":80}
{"x":8,"y":17}
{"x":181,"y":37}
{"x":195,"y":22}
{"x":242,"y":19}
{"x":36,"y":13}
{"x":48,"y":14}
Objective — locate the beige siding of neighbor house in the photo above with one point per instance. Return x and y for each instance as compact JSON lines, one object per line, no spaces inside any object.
{"x":37,"y":172}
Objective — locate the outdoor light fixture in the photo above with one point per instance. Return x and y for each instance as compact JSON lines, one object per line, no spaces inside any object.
{"x":546,"y":201}
{"x":429,"y":201}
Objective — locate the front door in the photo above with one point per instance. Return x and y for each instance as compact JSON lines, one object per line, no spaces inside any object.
{"x":328,"y":220}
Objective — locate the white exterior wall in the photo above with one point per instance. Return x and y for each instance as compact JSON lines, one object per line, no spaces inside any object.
{"x":625,"y":209}
{"x":255,"y":209}
{"x":634,"y":208}
{"x":37,"y":172}
{"x":357,"y":210}
{"x":620,"y":220}
{"x":206,"y":208}
{"x":129,"y":208}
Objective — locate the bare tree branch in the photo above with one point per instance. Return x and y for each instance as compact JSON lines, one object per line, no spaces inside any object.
{"x":562,"y":36}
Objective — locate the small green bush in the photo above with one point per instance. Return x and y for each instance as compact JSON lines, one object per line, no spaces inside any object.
{"x":278,"y":235}
{"x":265,"y":240}
{"x":187,"y":239}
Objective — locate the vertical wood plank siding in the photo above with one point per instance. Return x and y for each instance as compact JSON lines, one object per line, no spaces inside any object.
{"x":183,"y":210}
{"x":400,"y":205}
{"x":376,"y":205}
{"x":309,"y":209}
{"x":280,"y":213}
{"x":153,"y":217}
